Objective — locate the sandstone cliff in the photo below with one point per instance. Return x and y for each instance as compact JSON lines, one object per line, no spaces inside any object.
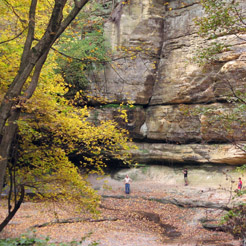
{"x":154,"y":43}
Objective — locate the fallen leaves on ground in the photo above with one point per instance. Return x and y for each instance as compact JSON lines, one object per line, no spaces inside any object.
{"x":132,"y":221}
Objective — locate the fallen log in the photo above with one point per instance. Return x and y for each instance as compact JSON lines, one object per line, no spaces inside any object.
{"x":189,"y":203}
{"x":186,"y":203}
{"x":73,"y":220}
{"x":206,"y":224}
{"x":213,"y":227}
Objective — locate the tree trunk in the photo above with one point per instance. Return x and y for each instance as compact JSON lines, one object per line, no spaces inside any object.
{"x":32,"y":57}
{"x":13,"y":212}
{"x":8,"y":136}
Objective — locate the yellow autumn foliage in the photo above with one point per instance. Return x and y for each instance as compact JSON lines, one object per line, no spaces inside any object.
{"x":51,"y":128}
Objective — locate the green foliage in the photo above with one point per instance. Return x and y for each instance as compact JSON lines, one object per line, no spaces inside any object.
{"x":221,"y":18}
{"x":73,"y":75}
{"x":124,"y":106}
{"x":111,"y":105}
{"x":235,"y":221}
{"x":86,"y":52}
{"x":207,"y":55}
{"x":30,"y":239}
{"x":144,"y":151}
{"x":24,"y":240}
{"x":242,"y":168}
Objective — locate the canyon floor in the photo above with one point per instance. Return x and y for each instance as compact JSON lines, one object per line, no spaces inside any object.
{"x":137,"y":219}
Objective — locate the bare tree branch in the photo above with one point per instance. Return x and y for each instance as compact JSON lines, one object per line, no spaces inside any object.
{"x":15,"y":13}
{"x":78,"y":6}
{"x":18,"y":35}
{"x":234,"y":93}
{"x":239,"y":16}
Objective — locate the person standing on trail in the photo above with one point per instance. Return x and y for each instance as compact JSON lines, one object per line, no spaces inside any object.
{"x":240,"y":184}
{"x":127,"y":181}
{"x":185,"y":172}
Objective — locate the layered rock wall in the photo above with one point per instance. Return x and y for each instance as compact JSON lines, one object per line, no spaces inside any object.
{"x":176,"y":100}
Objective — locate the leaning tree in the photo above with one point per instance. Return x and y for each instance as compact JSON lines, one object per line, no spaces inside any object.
{"x":34,"y":55}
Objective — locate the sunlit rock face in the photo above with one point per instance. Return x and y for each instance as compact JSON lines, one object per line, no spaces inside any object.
{"x":154,"y":45}
{"x":135,"y":33}
{"x":188,"y":153}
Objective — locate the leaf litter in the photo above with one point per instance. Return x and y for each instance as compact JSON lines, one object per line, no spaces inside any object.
{"x":132,"y":221}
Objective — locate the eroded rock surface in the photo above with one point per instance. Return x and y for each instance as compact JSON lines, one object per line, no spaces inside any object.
{"x":155,"y":44}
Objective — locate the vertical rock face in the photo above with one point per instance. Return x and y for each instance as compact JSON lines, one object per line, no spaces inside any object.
{"x":135,"y":33}
{"x":154,"y":43}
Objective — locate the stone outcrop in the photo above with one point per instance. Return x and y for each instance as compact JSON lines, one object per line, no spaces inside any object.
{"x":191,"y":153}
{"x":176,"y":100}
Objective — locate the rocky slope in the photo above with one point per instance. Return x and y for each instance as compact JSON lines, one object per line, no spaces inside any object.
{"x":154,"y":43}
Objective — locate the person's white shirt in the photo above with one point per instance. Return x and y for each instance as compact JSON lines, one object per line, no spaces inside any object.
{"x":127,"y":180}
